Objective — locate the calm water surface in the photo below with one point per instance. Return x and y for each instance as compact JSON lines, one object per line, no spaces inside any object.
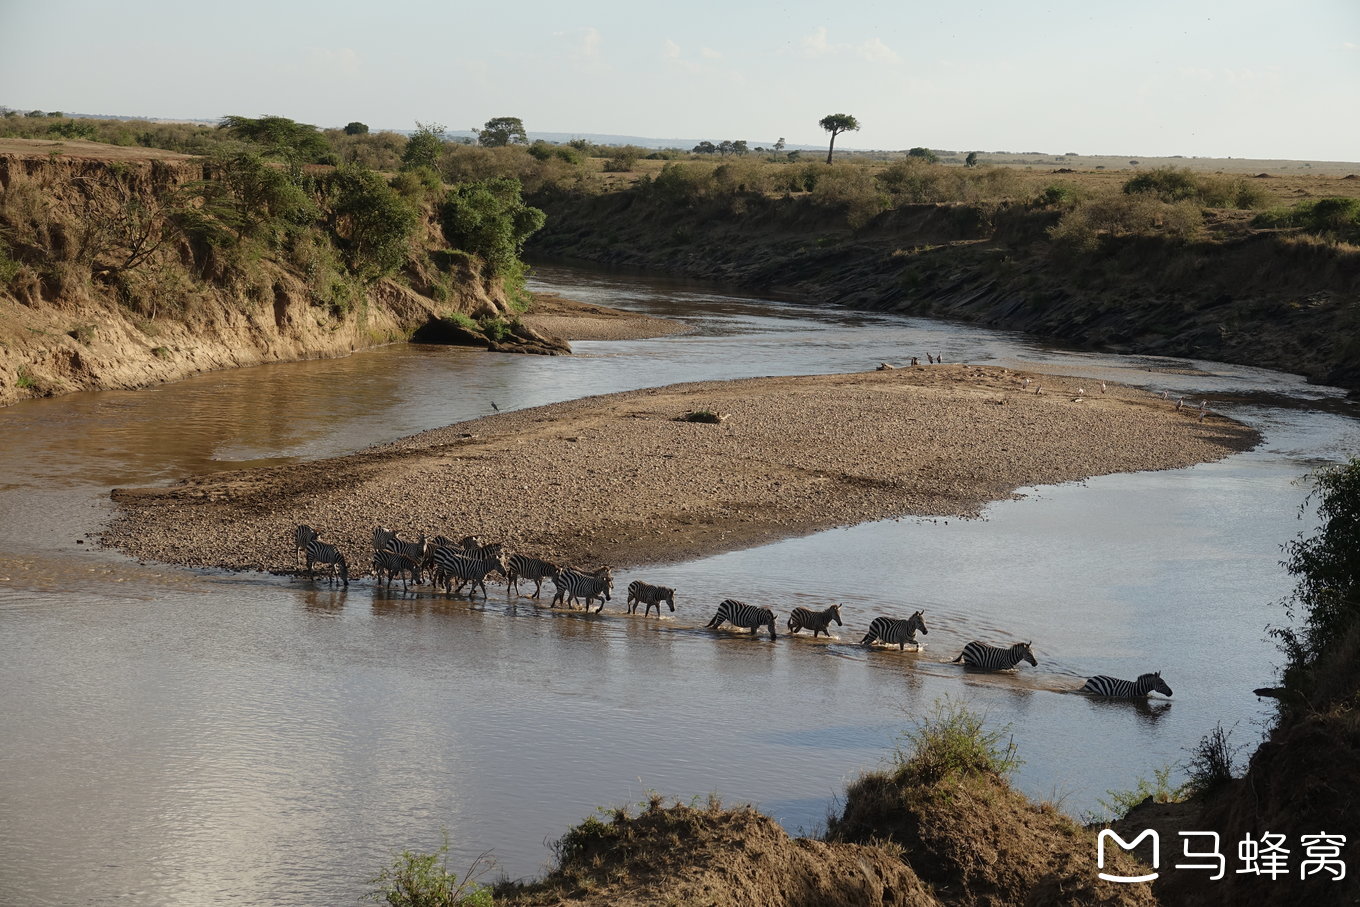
{"x":174,"y":737}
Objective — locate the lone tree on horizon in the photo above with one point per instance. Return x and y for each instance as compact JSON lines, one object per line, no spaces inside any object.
{"x":501,"y":131}
{"x":835,"y":124}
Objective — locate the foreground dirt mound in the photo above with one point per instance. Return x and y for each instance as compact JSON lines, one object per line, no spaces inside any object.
{"x":975,"y":841}
{"x":1303,"y":781}
{"x":731,"y":857}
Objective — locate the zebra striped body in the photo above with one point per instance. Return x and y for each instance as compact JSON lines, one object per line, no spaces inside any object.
{"x":573,"y":584}
{"x":301,"y":536}
{"x":740,"y":614}
{"x":381,"y":536}
{"x":816,"y":621}
{"x":417,"y":551}
{"x":390,"y":564}
{"x":319,"y":552}
{"x":521,"y":566}
{"x":992,"y":658}
{"x":1113,"y":687}
{"x":495,"y":549}
{"x":649,"y":595}
{"x":450,"y":564}
{"x":890,"y":630}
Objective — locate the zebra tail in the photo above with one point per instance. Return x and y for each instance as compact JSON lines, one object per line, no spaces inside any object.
{"x":957,"y":660}
{"x":868,"y":639}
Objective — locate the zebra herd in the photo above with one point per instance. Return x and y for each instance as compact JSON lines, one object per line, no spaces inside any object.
{"x":470,"y":562}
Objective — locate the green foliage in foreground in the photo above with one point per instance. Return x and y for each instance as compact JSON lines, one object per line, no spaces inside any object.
{"x":1326,"y":568}
{"x":951,"y":741}
{"x":424,"y":880}
{"x":1120,"y":802}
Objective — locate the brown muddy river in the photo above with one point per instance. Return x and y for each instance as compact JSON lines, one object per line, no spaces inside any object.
{"x":174,"y":737}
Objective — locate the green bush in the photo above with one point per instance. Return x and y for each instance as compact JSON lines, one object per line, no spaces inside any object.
{"x":1056,"y":197}
{"x":950,"y":741}
{"x":1173,"y":184}
{"x":1211,"y":762}
{"x":1326,"y":568}
{"x":1122,"y":215}
{"x":683,"y":183}
{"x":495,"y":328}
{"x":371,"y":222}
{"x":1170,"y":184}
{"x":853,"y":190}
{"x":1160,"y":789}
{"x":424,"y":880}
{"x":490,"y":220}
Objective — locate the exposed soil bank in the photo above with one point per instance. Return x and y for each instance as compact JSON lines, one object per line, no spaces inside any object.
{"x":1255,"y":297}
{"x":960,"y":841}
{"x":617,"y":479}
{"x":75,"y":316}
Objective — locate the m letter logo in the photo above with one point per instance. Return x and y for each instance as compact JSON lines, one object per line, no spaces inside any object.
{"x":1127,"y":845}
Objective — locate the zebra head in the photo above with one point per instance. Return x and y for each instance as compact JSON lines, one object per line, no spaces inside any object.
{"x":665,"y":594}
{"x":1022,"y":651}
{"x":344,"y":568}
{"x":1154,"y":682}
{"x":835,"y":614}
{"x":917,"y":623}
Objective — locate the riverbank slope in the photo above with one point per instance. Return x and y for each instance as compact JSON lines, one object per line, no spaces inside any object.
{"x":1075,"y":260}
{"x":121,"y":268}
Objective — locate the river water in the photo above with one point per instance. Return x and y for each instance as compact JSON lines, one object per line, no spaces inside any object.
{"x":184,"y":737}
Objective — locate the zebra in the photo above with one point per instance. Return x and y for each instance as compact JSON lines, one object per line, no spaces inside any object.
{"x":451,"y":563}
{"x":740,"y":614}
{"x":1113,"y":687}
{"x":816,"y":621}
{"x":521,"y":566}
{"x":572,"y":584}
{"x":301,"y":536}
{"x":890,"y":630}
{"x":494,"y":549}
{"x":392,"y":563}
{"x":381,"y":536}
{"x":418,"y":551}
{"x":319,"y":552}
{"x":992,"y":658}
{"x":649,"y":595}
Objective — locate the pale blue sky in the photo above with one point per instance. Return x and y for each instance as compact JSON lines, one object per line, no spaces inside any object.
{"x":1240,"y":78}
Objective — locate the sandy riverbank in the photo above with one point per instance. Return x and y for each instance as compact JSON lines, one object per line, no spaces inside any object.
{"x":557,"y":316}
{"x":616,"y":479}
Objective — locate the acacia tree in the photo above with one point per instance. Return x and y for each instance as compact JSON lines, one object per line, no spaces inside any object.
{"x":835,"y":124}
{"x":295,"y":143}
{"x":501,"y":131}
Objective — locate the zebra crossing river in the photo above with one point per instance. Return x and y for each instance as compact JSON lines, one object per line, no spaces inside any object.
{"x":174,"y":737}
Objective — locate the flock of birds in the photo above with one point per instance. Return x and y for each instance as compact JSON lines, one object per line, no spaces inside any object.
{"x":469,"y":562}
